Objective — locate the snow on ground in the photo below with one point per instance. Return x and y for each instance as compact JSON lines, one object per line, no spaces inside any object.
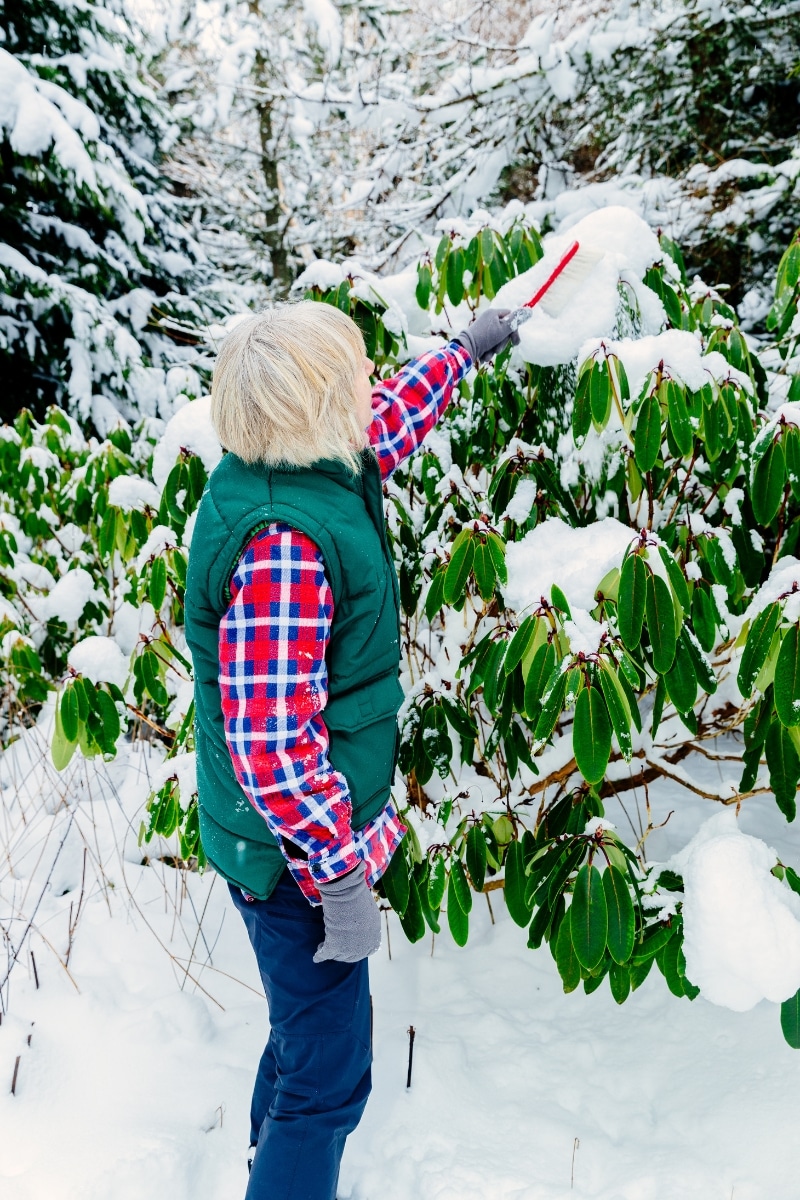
{"x":136,"y":1080}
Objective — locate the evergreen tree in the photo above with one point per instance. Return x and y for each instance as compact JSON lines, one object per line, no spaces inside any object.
{"x":94,"y":248}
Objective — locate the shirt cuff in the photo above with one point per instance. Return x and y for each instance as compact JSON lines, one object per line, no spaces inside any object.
{"x":335,"y":859}
{"x":461,"y":352}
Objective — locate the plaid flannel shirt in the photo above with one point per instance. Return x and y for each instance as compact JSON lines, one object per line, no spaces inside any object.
{"x":273,"y":677}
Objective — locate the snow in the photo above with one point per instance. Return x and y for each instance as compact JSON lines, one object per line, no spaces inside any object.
{"x":682,"y":355}
{"x":142,"y":1057}
{"x":99,"y":659}
{"x":320,"y":274}
{"x":38,"y":114}
{"x":575,"y":559}
{"x":328,"y":24}
{"x":783,"y":580}
{"x":132,"y":491}
{"x":190,"y":429}
{"x":742,"y":925}
{"x":68,"y":598}
{"x":583,"y":633}
{"x":182,"y":767}
{"x":160,"y":538}
{"x":627,"y":246}
{"x":520,"y":505}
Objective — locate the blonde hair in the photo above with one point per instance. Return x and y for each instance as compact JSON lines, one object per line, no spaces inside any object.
{"x":284,"y":386}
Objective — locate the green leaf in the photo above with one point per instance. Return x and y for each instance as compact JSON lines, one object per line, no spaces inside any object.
{"x":704,"y":671}
{"x":769,"y":478}
{"x":158,"y":583}
{"x":631,"y":606}
{"x":423,"y":293}
{"x":589,"y":917}
{"x":455,"y":276}
{"x":554,"y":883}
{"x":436,"y":882}
{"x":70,"y":715}
{"x":678,"y":417}
{"x":494,"y":677}
{"x":582,"y":408}
{"x":569,"y":968}
{"x":541,"y":670}
{"x":676,"y":578}
{"x":483,"y":566}
{"x":591,"y":735}
{"x":62,"y":748}
{"x":552,"y":705}
{"x":110,"y":720}
{"x":618,"y":708}
{"x":395,"y":882}
{"x":476,"y":857}
{"x":703,"y":619}
{"x":791,"y":442}
{"x":784,"y":768}
{"x":459,"y":567}
{"x":457,"y":918}
{"x":787,"y":678}
{"x":497,"y":549}
{"x":620,"y":980}
{"x":435,"y":597}
{"x":621,"y":922}
{"x":519,"y":643}
{"x":458,"y":881}
{"x":712,"y":428}
{"x":681,"y":679}
{"x":667,"y":960}
{"x":559,"y":601}
{"x":152,"y":679}
{"x":600,"y":395}
{"x":756,"y":649}
{"x":647,"y":439}
{"x":660,"y":623}
{"x":639,"y":972}
{"x":654,"y":941}
{"x":412,"y":919}
{"x":514,"y":888}
{"x":790,"y":1020}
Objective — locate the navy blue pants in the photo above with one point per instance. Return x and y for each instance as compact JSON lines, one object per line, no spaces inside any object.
{"x":315,"y":1074}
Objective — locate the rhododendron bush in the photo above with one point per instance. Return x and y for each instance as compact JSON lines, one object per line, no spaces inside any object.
{"x":599,"y":578}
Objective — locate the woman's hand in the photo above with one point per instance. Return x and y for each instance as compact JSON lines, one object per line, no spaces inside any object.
{"x":488,"y":335}
{"x":352,"y":919}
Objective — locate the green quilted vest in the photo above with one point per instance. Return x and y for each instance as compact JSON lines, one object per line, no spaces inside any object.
{"x":343,"y":514}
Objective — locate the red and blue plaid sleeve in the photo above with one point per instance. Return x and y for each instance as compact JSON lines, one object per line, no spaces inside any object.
{"x":407,"y":406}
{"x":274,"y":687}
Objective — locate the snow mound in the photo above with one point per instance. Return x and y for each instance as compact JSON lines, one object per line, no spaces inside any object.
{"x":190,"y":429}
{"x":628,"y":247}
{"x":681,"y":353}
{"x":99,"y":659}
{"x":575,"y":559}
{"x":68,"y":598}
{"x":132,"y":491}
{"x":741,"y":924}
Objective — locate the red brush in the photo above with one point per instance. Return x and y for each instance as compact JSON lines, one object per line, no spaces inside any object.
{"x":563,"y":282}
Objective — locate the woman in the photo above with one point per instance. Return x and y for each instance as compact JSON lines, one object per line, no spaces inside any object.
{"x":292,"y":620}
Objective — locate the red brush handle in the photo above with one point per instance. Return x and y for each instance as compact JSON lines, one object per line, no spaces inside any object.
{"x":565,"y":259}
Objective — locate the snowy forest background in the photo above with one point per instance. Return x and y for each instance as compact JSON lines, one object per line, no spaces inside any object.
{"x":598,"y":559}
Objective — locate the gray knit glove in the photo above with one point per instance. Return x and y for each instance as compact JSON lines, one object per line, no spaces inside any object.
{"x":488,"y":335}
{"x":352,"y":919}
